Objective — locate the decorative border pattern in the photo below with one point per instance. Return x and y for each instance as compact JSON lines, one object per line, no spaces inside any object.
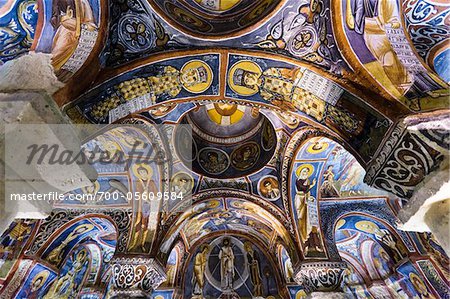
{"x":402,"y":163}
{"x":136,"y":275}
{"x":121,"y":217}
{"x":321,"y":276}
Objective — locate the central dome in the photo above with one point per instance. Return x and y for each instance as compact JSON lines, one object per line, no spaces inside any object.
{"x":229,"y":140}
{"x":218,"y":5}
{"x":215,"y":18}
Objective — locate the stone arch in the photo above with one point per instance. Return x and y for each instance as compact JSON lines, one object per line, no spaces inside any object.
{"x":374,"y":267}
{"x":296,"y":143}
{"x":201,"y":206}
{"x":78,"y":251}
{"x":276,"y":282}
{"x":285,"y":264}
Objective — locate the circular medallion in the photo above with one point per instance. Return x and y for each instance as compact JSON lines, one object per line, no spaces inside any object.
{"x":213,"y":266}
{"x":245,"y":156}
{"x":243,"y":77}
{"x":196,"y":76}
{"x":136,"y":33}
{"x":302,"y":41}
{"x":182,"y":183}
{"x":269,"y":188}
{"x":213,"y":161}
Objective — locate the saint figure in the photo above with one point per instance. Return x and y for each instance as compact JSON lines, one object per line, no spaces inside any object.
{"x":226,"y":257}
{"x":303,"y":186}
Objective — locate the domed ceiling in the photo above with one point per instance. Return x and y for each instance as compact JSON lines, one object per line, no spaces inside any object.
{"x":229,"y":140}
{"x":215,"y":18}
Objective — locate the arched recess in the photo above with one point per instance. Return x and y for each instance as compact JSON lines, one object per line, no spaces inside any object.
{"x":133,"y":162}
{"x":285,"y":264}
{"x":293,"y":160}
{"x":95,"y":227}
{"x":42,"y":26}
{"x":379,"y":263}
{"x":77,"y":253}
{"x":174,"y":264}
{"x":257,"y":273}
{"x":219,"y":211}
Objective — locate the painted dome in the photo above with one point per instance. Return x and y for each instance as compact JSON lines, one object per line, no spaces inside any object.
{"x":228,"y":140}
{"x":218,"y":5}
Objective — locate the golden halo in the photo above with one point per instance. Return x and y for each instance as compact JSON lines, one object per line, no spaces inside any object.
{"x":213,"y":204}
{"x":366,"y":226}
{"x":203,"y":246}
{"x":81,"y":229}
{"x":300,"y":168}
{"x":246,"y":65}
{"x":135,"y":168}
{"x":312,"y":150}
{"x":159,"y":297}
{"x":340,"y":224}
{"x":300,"y":294}
{"x":418,"y":284}
{"x":181,"y":174}
{"x":198,"y":87}
{"x":81,"y":255}
{"x":43,"y":274}
{"x":96,"y":188}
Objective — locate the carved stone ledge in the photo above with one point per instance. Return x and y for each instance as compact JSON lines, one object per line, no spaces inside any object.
{"x":135,"y":276}
{"x":321,"y":276}
{"x":402,"y":163}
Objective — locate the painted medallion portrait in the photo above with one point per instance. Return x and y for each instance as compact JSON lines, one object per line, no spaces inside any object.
{"x":269,"y":188}
{"x":185,"y":145}
{"x":182,"y":183}
{"x":245,"y":156}
{"x":213,"y":161}
{"x":196,"y":76}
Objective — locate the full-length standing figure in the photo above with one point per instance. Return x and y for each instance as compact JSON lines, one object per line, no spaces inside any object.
{"x":198,"y":279}
{"x":226,"y":257}
{"x":303,"y":186}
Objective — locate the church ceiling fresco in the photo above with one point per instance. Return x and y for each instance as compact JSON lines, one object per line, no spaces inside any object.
{"x":254,"y":81}
{"x":67,"y":30}
{"x":427,"y":23}
{"x":304,"y":30}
